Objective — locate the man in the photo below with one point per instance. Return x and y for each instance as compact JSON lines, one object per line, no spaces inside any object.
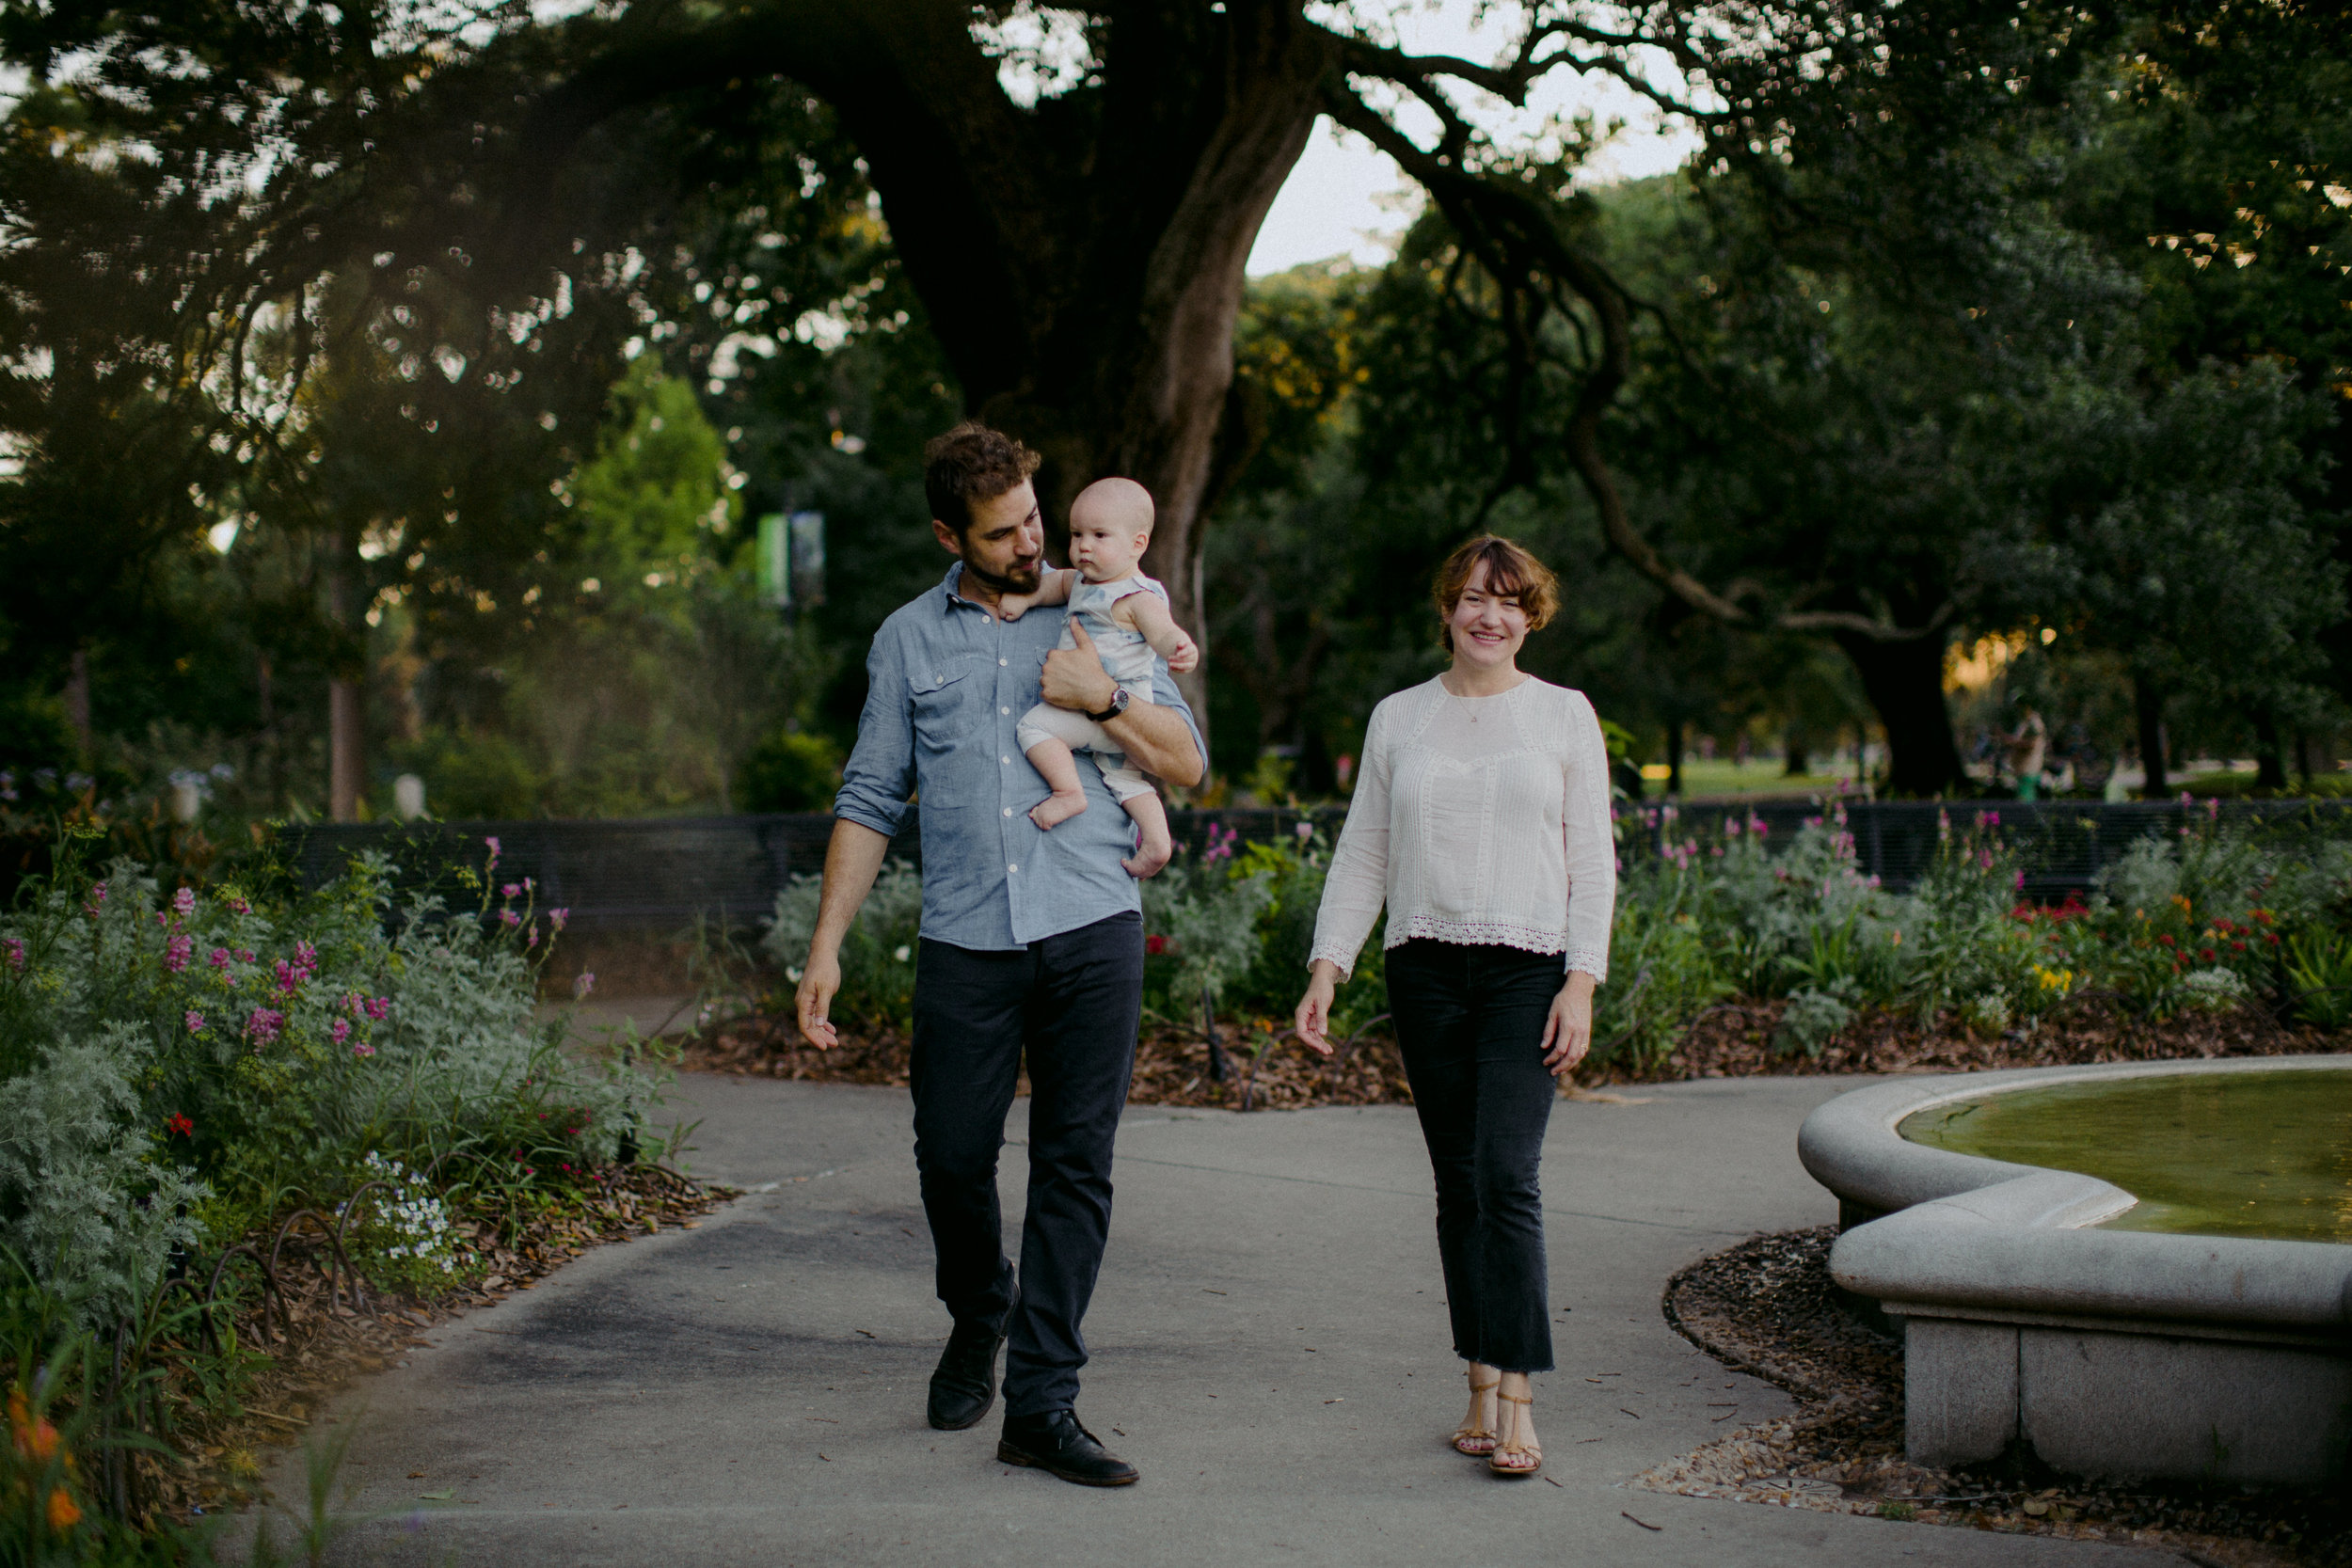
{"x":1031,"y":940}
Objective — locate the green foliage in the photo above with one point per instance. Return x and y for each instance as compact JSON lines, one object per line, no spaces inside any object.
{"x":2204,"y":919}
{"x":176,"y":1069}
{"x":789,"y":770}
{"x":878,"y":954}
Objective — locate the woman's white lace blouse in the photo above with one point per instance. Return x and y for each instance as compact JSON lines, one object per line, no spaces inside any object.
{"x":1478,"y":820}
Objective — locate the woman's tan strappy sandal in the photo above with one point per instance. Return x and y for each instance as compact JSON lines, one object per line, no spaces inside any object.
{"x":1526,"y":1451}
{"x":1465,"y":1435}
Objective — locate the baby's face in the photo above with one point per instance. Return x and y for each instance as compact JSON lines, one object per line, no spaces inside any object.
{"x":1104,"y":549}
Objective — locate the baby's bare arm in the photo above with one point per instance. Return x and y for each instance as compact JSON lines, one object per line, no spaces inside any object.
{"x":1159,"y":628}
{"x":1053,"y":587}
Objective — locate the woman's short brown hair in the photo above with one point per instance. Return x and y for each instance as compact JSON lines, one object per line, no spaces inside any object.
{"x":1511,"y":572}
{"x":971,"y":463}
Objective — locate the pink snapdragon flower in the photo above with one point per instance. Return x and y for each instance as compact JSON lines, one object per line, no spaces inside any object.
{"x":586,"y":983}
{"x":16,"y":952}
{"x":512,"y":890}
{"x":341,"y":1032}
{"x":194,"y":1021}
{"x":380,"y":1008}
{"x":558,"y":919}
{"x":176,"y":953}
{"x":363,"y":1049}
{"x":220,"y":957}
{"x":184,"y":902}
{"x":264,"y":1026}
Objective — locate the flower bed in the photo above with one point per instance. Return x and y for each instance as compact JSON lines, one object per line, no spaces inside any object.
{"x":1731,"y":954}
{"x":212,"y":1100}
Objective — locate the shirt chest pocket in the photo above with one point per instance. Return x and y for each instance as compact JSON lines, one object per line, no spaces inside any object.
{"x":946,"y":704}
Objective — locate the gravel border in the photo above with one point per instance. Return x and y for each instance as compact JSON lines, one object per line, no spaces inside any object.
{"x":1768,"y":1308}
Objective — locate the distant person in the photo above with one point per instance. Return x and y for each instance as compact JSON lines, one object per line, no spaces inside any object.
{"x":2029,"y":748}
{"x":1032,"y":942}
{"x":1481,"y":821}
{"x":1128,"y":618}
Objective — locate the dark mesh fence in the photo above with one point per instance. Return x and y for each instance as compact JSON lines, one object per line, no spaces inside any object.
{"x":664,"y":872}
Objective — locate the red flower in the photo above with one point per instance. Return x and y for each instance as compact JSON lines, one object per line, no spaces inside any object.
{"x":2166,"y":940}
{"x":2207,"y":954}
{"x":182,"y":1125}
{"x":2238,"y":947}
{"x":1156,"y":946}
{"x":2271,"y":937}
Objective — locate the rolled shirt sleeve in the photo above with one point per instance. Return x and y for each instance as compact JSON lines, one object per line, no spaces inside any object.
{"x":877,"y":783}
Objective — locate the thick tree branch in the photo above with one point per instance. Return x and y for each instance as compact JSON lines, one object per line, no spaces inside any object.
{"x":1515,"y":231}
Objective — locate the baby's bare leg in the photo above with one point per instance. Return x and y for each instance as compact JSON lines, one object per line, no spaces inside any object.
{"x":1151,"y":816}
{"x":1054,"y":759}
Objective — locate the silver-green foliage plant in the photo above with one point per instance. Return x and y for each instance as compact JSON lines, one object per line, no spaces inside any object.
{"x":878,"y":953}
{"x":176,"y":1069}
{"x":1205,"y":911}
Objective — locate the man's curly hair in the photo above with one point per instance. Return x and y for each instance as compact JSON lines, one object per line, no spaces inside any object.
{"x":971,"y":463}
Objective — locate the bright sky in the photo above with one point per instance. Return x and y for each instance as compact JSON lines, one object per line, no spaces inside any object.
{"x":1345,"y":198}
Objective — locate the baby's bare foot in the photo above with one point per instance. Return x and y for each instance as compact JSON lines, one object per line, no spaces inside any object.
{"x":1154,"y":853}
{"x":1057,"y":808}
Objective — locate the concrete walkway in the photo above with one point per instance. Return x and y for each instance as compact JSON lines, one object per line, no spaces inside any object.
{"x":1269,"y":1346}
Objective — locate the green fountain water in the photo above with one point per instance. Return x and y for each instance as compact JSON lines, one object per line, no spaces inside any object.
{"x":2207,"y":1153}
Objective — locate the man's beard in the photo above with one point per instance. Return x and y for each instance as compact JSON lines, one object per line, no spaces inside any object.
{"x":1020,"y":580}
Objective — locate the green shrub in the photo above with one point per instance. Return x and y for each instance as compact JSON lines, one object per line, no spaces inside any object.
{"x":789,"y":770}
{"x":878,"y":953}
{"x":2200,"y":918}
{"x":176,"y":1069}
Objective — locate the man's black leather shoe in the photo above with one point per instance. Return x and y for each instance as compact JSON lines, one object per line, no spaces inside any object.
{"x":963,"y":1389}
{"x":1056,"y":1442}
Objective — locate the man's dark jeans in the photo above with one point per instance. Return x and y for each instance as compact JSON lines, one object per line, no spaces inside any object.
{"x":1470,"y":1024}
{"x":1072,"y":1001}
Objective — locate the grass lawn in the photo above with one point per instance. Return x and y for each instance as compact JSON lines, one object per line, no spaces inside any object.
{"x":1722,"y":779}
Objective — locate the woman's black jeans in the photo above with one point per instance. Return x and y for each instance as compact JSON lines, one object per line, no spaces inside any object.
{"x":1470,"y":1022}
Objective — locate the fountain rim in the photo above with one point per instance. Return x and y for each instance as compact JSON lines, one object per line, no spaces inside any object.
{"x":1952,"y":1233}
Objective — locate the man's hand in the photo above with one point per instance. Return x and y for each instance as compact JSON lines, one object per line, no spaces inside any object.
{"x":819,"y":982}
{"x":1074,"y":678}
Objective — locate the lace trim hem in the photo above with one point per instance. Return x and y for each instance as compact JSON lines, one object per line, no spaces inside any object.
{"x":1497,"y":933}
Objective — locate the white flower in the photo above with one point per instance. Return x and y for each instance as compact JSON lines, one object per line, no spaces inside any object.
{"x":902,"y":954}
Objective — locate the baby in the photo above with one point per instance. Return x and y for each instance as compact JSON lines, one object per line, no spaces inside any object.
{"x":1127,"y":616}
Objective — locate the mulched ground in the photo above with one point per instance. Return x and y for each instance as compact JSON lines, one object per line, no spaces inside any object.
{"x":1767,"y":1308}
{"x":1261,"y":1070}
{"x":1265,"y":1071}
{"x":320,"y":1343}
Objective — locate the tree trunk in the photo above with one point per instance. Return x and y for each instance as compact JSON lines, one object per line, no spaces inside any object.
{"x":2269,"y":757}
{"x":2149,"y":703}
{"x":77,"y":701}
{"x":1904,"y":682}
{"x":1674,"y":760}
{"x":346,"y":711}
{"x":1798,"y":760}
{"x":1080,"y":261}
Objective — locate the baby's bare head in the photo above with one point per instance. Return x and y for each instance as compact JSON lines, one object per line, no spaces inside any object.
{"x":1119,"y":505}
{"x":1110,"y":524}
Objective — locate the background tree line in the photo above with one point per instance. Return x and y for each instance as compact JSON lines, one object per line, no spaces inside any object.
{"x":395,"y":390}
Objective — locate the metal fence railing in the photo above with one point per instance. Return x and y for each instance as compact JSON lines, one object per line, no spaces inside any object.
{"x":662,"y":872}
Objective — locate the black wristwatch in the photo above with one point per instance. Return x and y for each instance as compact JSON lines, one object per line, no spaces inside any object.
{"x":1119,"y":706}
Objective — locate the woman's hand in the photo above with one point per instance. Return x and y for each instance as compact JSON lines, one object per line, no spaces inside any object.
{"x":1313,"y":1021}
{"x":1568,"y":1032}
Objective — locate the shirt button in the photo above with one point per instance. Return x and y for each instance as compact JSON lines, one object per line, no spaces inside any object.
{"x":1003,"y":661}
{"x":1012,"y":868}
{"x":1008,"y":811}
{"x":1003,"y":710}
{"x":1007,"y":760}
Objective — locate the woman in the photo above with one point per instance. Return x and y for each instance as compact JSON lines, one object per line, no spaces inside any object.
{"x":1481,"y":818}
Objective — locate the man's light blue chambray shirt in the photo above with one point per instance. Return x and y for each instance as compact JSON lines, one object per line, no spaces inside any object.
{"x":945,"y":685}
